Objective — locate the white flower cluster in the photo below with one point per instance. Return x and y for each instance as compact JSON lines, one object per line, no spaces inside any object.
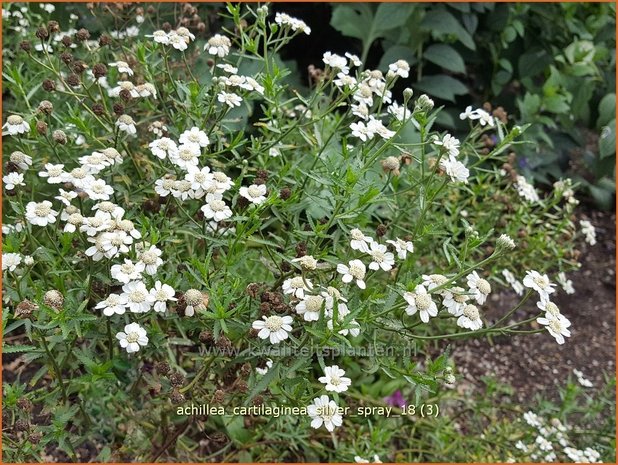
{"x":589,"y":232}
{"x":484,"y":118}
{"x":550,"y":437}
{"x":199,"y":182}
{"x":285,"y":20}
{"x":555,"y":322}
{"x":455,"y":169}
{"x":179,"y":38}
{"x":526,"y":190}
{"x":11,"y":260}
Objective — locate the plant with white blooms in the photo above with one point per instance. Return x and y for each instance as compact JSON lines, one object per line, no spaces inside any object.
{"x":223,"y":230}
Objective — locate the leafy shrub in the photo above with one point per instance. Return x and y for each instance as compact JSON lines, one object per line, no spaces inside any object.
{"x":549,"y":65}
{"x":184,"y":229}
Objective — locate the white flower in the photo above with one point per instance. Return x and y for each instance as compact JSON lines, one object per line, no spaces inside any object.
{"x":533,"y":420}
{"x":589,"y":232}
{"x":354,"y":60}
{"x":138,"y":297}
{"x":455,"y":169}
{"x":344,"y":80}
{"x":336,"y":62}
{"x":128,"y":271}
{"x":177,"y":41}
{"x":98,"y":190}
{"x":275,"y":328}
{"x":399,"y":112}
{"x":356,"y":271}
{"x":455,"y":300}
{"x":469,"y":113}
{"x":13,"y":180}
{"x":222,"y":182}
{"x":194,"y":136}
{"x":255,"y":193}
{"x":21,"y":159}
{"x":470,"y":318}
{"x":517,"y":286}
{"x":201,"y":179}
{"x":164,"y":186}
{"x":557,"y":327}
{"x":15,"y":124}
{"x":227,"y":68}
{"x":432,"y":281}
{"x":551,"y":309}
{"x":229,"y":98}
{"x":114,"y":305}
{"x":110,"y":208}
{"x":151,"y":258}
{"x":101,"y":221}
{"x":450,"y":144}
{"x":126,"y":124}
{"x":295,"y":24}
{"x":376,"y":126}
{"x":218,"y":45}
{"x":310,"y":307}
{"x":186,"y":156}
{"x":402,"y":247}
{"x":132,"y":338}
{"x":566,"y":284}
{"x":263,"y":371}
{"x":41,"y":213}
{"x":115,"y":243}
{"x":581,"y":379}
{"x":185,"y":34}
{"x":381,"y":258}
{"x":485,"y":118}
{"x":10,"y":261}
{"x":325,"y":412}
{"x":53,"y":173}
{"x":479,"y":287}
{"x":358,"y":459}
{"x":400,"y":68}
{"x":335,"y":380}
{"x":296,"y":286}
{"x":160,"y":295}
{"x":195,"y":300}
{"x":74,"y":220}
{"x":361,"y":131}
{"x":307,"y":262}
{"x":540,"y":283}
{"x":122,"y":67}
{"x":526,"y":190}
{"x":359,"y":241}
{"x":215,"y":208}
{"x":163,"y":147}
{"x":420,"y":300}
{"x":160,"y":37}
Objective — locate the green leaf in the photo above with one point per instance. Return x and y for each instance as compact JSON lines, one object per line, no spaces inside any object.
{"x":445,"y":56}
{"x":14,"y":349}
{"x":391,"y":15}
{"x":443,"y":22}
{"x":442,"y":86}
{"x":264,"y":382}
{"x":607,"y":110}
{"x":607,"y":140}
{"x":352,"y":20}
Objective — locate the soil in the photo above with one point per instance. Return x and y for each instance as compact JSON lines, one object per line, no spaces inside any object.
{"x":535,"y":364}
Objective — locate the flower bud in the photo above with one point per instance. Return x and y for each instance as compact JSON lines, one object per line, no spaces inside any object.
{"x":504,"y":242}
{"x":54,"y":299}
{"x":46,"y":107}
{"x":424,"y":103}
{"x":59,"y":137}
